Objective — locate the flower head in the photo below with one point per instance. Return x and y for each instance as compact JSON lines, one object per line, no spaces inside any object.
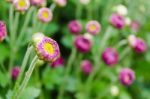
{"x":114,"y":90}
{"x":110,"y":56}
{"x":126,"y":76}
{"x":82,"y":44}
{"x":61,"y":3}
{"x":137,"y":43}
{"x":47,"y":49}
{"x":117,"y":21}
{"x":3,"y":31}
{"x":58,"y":62}
{"x":45,"y":15}
{"x":38,"y":2}
{"x":21,"y":5}
{"x":15,"y":72}
{"x":93,"y":27}
{"x":86,"y":66}
{"x":75,"y":27}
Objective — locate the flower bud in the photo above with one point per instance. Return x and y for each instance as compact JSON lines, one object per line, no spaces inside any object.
{"x":82,"y":44}
{"x":121,"y":10}
{"x":15,"y":72}
{"x":3,"y":31}
{"x":110,"y":56}
{"x":117,"y":21}
{"x":114,"y":90}
{"x":75,"y":27}
{"x":135,"y":26}
{"x":37,"y":37}
{"x":86,"y":66}
{"x":58,"y":62}
{"x":128,"y":21}
{"x":126,"y":76}
{"x":38,"y":2}
{"x":61,"y":3}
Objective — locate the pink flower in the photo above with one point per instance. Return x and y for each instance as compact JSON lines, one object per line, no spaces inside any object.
{"x":45,"y":15}
{"x":82,"y":44}
{"x":61,"y":3}
{"x":15,"y":72}
{"x":117,"y":21}
{"x":37,"y":2}
{"x":135,"y":26}
{"x":110,"y":56}
{"x":137,"y":43}
{"x":58,"y":62}
{"x":93,"y":27}
{"x":47,"y":49}
{"x":21,"y":5}
{"x":75,"y":27}
{"x":86,"y":66}
{"x":126,"y":76}
{"x":3,"y":31}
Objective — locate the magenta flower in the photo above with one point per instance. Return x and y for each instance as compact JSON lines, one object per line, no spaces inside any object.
{"x":86,"y":66}
{"x":75,"y":27}
{"x":37,"y":2}
{"x":82,"y":44}
{"x":137,"y":43}
{"x":3,"y":31}
{"x":117,"y":21}
{"x":21,"y":5}
{"x":135,"y":26}
{"x":110,"y":56}
{"x":45,"y":15}
{"x":126,"y":76}
{"x":47,"y":49}
{"x":15,"y":72}
{"x":58,"y":62}
{"x":93,"y":27}
{"x":61,"y":3}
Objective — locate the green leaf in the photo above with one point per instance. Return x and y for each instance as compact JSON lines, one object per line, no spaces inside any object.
{"x":4,"y":79}
{"x":4,"y":52}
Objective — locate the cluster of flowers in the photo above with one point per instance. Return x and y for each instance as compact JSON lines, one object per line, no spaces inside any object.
{"x":110,"y":56}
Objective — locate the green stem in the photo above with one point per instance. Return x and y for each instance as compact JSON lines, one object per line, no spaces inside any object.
{"x":78,"y":11}
{"x":123,"y":54}
{"x":68,"y":69}
{"x":53,"y":6}
{"x":27,"y":77}
{"x":26,"y":22}
{"x":24,"y":63}
{"x":121,"y":43}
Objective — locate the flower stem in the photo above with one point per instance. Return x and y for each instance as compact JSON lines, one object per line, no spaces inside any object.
{"x":68,"y":69}
{"x":26,"y":79}
{"x":24,"y":63}
{"x":52,"y":6}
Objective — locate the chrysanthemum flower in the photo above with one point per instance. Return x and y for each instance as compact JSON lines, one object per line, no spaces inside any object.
{"x":82,"y":44}
{"x":117,"y":21}
{"x":110,"y":56}
{"x":93,"y":27}
{"x":86,"y":66}
{"x":38,"y":2}
{"x":47,"y":49}
{"x":15,"y":72}
{"x":137,"y":43}
{"x":126,"y":76}
{"x":45,"y":15}
{"x":75,"y":27}
{"x":58,"y":62}
{"x":21,"y":5}
{"x":61,"y":3}
{"x":135,"y":26}
{"x":3,"y":31}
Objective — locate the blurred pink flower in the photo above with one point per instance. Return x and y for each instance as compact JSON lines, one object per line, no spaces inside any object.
{"x":57,"y":63}
{"x":86,"y":66}
{"x":21,"y":5}
{"x":126,"y":76}
{"x":15,"y":72}
{"x":38,"y":2}
{"x":45,"y":15}
{"x":117,"y":21}
{"x":82,"y":44}
{"x":3,"y":31}
{"x":110,"y":56}
{"x":75,"y":27}
{"x":135,"y":26}
{"x":93,"y":27}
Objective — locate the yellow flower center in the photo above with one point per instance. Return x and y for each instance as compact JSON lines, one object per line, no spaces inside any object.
{"x":45,"y":14}
{"x":48,"y":48}
{"x":22,"y":3}
{"x":92,"y":27}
